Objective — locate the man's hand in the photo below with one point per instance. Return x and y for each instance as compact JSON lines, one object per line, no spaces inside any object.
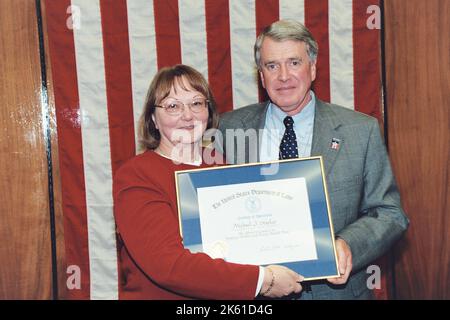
{"x":344,"y":255}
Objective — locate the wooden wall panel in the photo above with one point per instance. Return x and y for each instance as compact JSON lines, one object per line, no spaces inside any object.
{"x":418,"y":110}
{"x":57,"y":194}
{"x":25,"y":251}
{"x":59,"y":218}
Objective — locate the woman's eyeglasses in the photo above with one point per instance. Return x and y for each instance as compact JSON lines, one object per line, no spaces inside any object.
{"x":176,"y":107}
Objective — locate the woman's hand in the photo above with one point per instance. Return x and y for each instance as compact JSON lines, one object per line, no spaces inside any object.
{"x":280,"y":281}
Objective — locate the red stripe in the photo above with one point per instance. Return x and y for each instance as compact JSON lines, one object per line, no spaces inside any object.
{"x":219,"y":53}
{"x":62,"y":52}
{"x":316,"y":20}
{"x":366,"y":60}
{"x":118,"y":85}
{"x":167,"y":28}
{"x":118,"y":81}
{"x":267,"y":12}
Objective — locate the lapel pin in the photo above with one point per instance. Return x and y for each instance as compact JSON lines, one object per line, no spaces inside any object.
{"x":335,"y":144}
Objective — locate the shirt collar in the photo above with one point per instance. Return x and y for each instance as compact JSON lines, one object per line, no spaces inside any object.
{"x":306,"y":113}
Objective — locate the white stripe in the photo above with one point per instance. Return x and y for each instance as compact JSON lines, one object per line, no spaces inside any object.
{"x":96,"y":152}
{"x":341,"y":52}
{"x":242,"y":37}
{"x":293,"y":9}
{"x":144,"y":65}
{"x":193,"y":34}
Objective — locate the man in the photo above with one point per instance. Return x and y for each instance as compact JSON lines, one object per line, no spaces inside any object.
{"x":365,"y":204}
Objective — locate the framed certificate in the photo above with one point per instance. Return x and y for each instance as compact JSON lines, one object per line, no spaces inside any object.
{"x":265,"y":213}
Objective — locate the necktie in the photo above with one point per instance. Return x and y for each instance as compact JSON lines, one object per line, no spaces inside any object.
{"x":288,"y":145}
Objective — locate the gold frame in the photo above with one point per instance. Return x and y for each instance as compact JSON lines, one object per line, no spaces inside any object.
{"x":329,"y":213}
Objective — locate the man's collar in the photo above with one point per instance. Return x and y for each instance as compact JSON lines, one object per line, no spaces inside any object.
{"x":306,"y":112}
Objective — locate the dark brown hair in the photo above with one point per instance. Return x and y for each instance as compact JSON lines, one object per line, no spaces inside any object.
{"x":159,"y":89}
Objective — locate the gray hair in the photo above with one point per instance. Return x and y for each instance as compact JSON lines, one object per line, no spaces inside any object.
{"x":287,"y":30}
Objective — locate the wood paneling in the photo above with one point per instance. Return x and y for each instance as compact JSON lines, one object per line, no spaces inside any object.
{"x":57,"y":195}
{"x":418,"y":101}
{"x":25,"y":251}
{"x":57,"y":200}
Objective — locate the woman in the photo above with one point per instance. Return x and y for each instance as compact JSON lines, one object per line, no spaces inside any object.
{"x":154,"y":264}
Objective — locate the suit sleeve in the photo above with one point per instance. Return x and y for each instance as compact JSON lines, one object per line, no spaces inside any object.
{"x":382,"y":220}
{"x":148,"y":225}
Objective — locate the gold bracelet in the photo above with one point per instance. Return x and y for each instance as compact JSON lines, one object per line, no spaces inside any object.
{"x":272,"y":282}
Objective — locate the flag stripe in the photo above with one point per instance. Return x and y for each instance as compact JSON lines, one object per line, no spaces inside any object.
{"x":219,"y":53}
{"x":118,"y":81}
{"x":267,"y":12}
{"x":242,"y":25}
{"x":167,"y":32}
{"x":367,"y":65}
{"x":292,"y":9}
{"x":96,"y":152}
{"x":142,"y":43}
{"x":341,"y":52}
{"x":316,"y":20}
{"x":62,"y":51}
{"x":193,"y":35}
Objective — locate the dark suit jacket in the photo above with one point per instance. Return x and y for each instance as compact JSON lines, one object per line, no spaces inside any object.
{"x":365,"y":202}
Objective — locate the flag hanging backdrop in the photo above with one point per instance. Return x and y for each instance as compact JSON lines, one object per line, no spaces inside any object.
{"x":104,"y":54}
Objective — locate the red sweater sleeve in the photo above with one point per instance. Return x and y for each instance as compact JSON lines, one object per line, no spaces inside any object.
{"x":147,"y":220}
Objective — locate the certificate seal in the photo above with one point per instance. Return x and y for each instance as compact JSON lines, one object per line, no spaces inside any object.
{"x":218,"y":250}
{"x":253,"y":204}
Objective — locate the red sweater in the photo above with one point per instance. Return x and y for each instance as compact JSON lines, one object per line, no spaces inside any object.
{"x":153,"y":261}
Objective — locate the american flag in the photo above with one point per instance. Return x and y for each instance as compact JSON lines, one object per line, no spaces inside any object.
{"x":104,"y":54}
{"x":335,"y":144}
